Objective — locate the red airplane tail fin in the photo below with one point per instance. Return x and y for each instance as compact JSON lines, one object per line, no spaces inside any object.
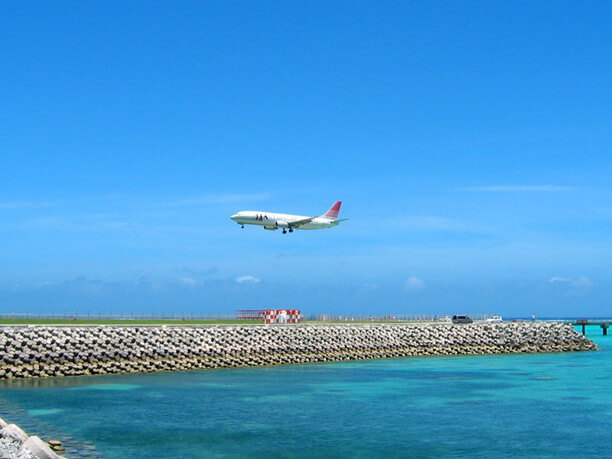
{"x":333,"y":210}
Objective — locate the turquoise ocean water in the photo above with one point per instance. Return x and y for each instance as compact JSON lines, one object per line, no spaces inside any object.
{"x":544,"y":405}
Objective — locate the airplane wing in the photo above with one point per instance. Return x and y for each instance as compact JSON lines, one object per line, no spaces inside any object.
{"x":298,"y":223}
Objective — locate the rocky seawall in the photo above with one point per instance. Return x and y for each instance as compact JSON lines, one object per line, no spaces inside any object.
{"x":53,"y":351}
{"x":16,"y":444}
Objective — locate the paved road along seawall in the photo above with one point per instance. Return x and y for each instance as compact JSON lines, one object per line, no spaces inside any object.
{"x":52,"y":351}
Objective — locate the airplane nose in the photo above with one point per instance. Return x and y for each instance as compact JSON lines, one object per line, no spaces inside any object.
{"x":234,"y":217}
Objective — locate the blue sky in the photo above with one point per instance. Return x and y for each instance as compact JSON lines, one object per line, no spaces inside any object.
{"x":470,"y":143}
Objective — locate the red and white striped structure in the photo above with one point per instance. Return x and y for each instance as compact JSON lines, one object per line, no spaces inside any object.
{"x":282,"y":316}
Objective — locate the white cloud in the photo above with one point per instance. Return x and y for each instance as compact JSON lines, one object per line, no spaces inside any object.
{"x":248,"y":280}
{"x":414,"y":284}
{"x":425,"y":222}
{"x":518,"y":188}
{"x":189,"y":281}
{"x":23,"y":204}
{"x":93,"y":222}
{"x":217,"y":199}
{"x":561,"y":280}
{"x":581,"y":281}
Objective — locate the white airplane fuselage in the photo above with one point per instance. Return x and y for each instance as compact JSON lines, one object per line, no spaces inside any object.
{"x":272,"y":220}
{"x":288,"y":222}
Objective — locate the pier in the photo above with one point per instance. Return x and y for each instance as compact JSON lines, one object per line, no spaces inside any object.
{"x":602,"y":324}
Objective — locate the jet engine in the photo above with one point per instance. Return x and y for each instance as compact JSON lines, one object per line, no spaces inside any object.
{"x":281,"y":224}
{"x":270,"y":228}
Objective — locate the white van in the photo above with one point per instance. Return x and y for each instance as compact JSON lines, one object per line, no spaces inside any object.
{"x":493,"y":319}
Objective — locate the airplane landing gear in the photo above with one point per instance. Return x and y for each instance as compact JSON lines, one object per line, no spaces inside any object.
{"x":242,"y":226}
{"x":284,"y":231}
{"x":291,"y":230}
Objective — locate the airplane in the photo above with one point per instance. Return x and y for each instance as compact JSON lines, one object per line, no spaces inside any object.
{"x":272,"y":221}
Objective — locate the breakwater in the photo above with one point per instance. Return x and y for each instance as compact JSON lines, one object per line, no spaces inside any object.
{"x":16,"y":444}
{"x":53,"y":351}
